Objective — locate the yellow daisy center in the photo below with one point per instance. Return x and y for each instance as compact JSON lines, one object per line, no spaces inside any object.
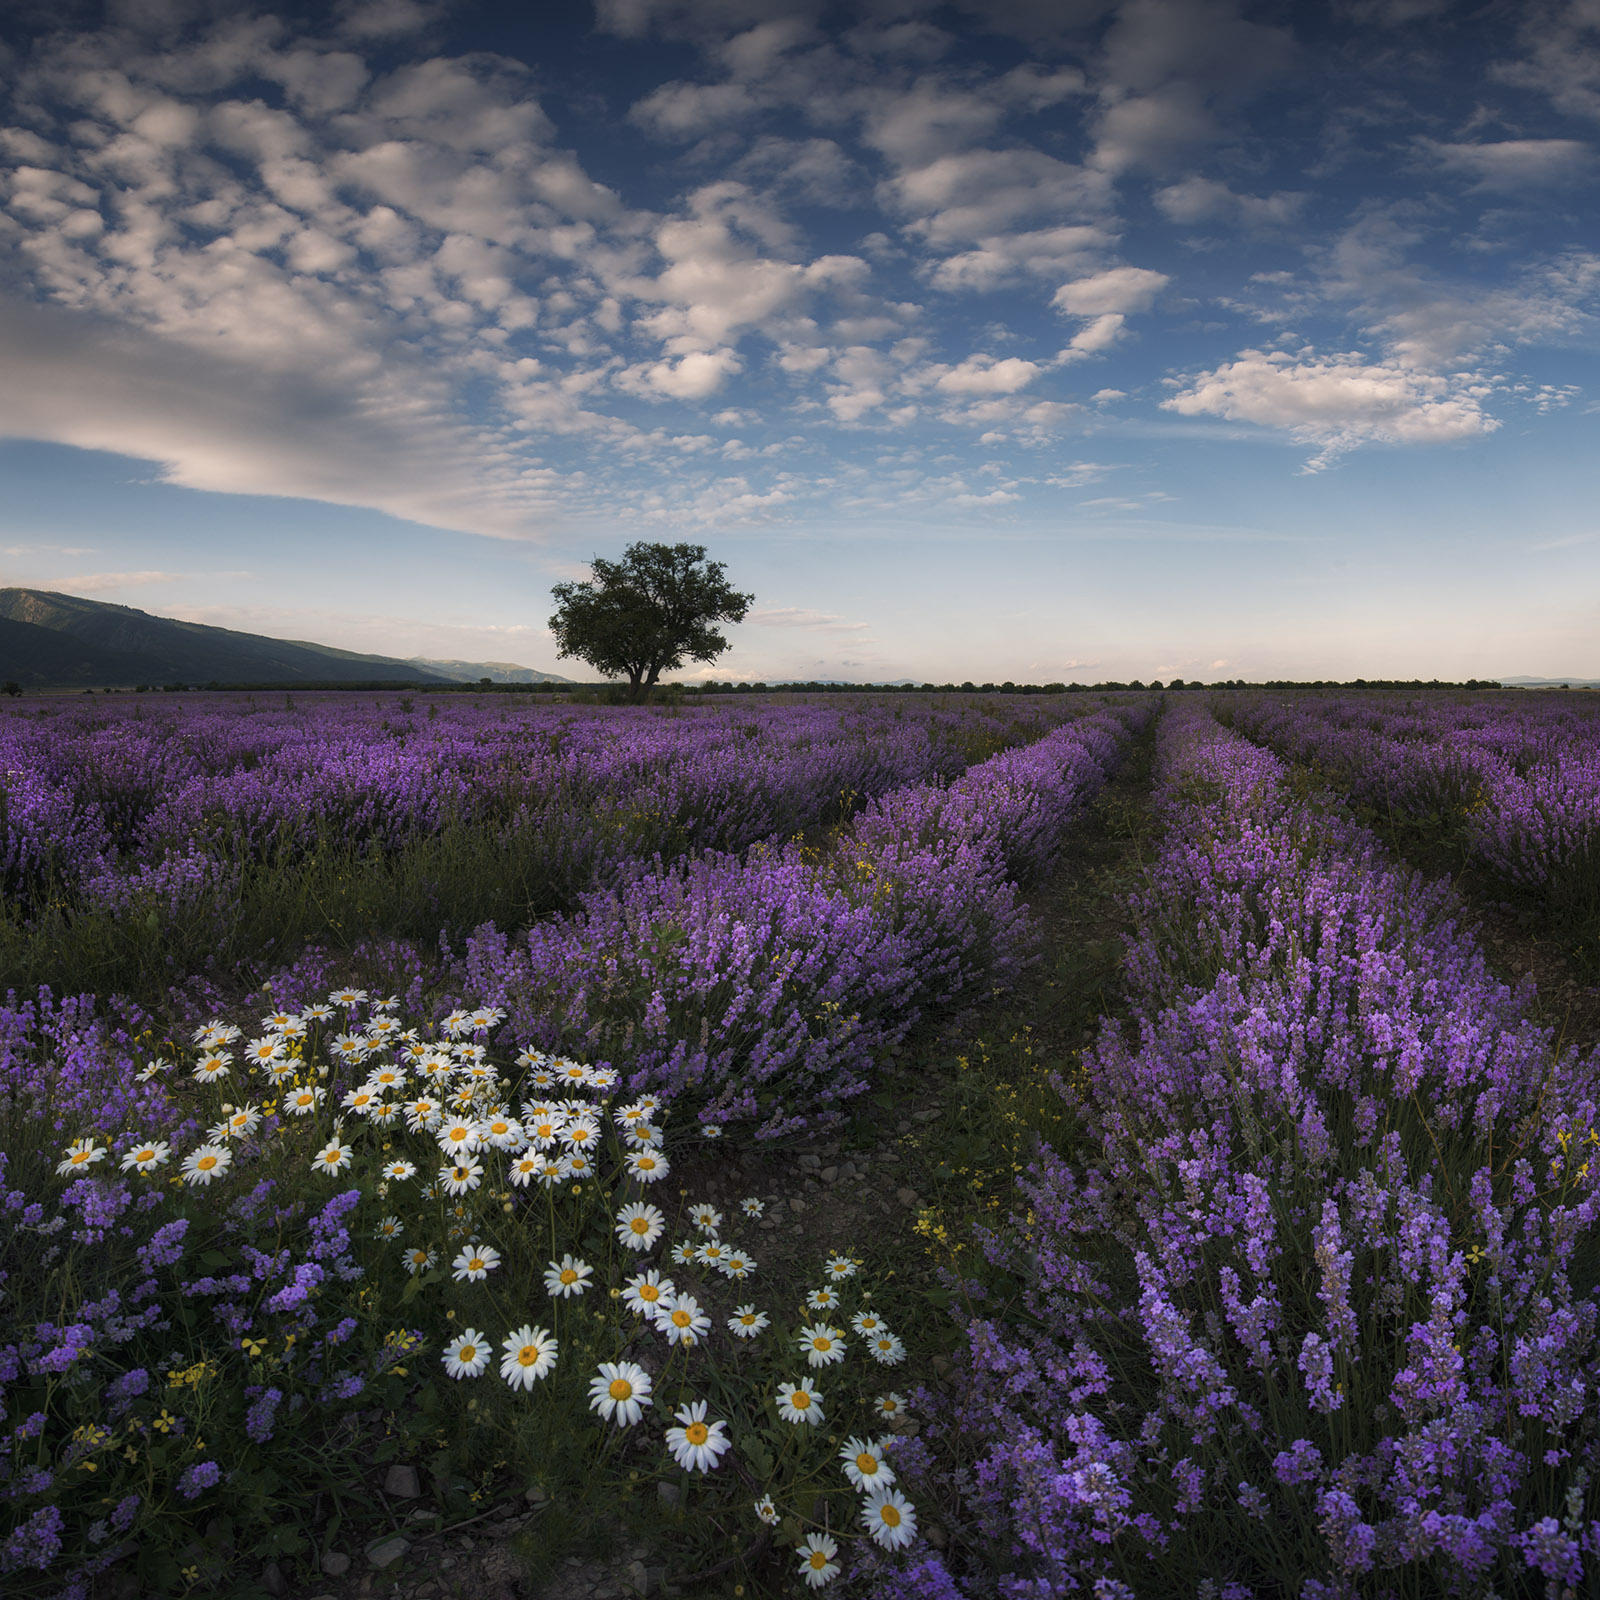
{"x":621,"y":1389}
{"x":206,"y":1163}
{"x":581,"y":1135}
{"x":890,"y":1516}
{"x":648,"y":1291}
{"x":640,"y":1224}
{"x":866,"y":1464}
{"x":647,"y":1163}
{"x":822,"y":1344}
{"x":475,"y":1264}
{"x":697,"y":1433}
{"x":799,"y":1399}
{"x":681,"y":1318}
{"x":528,"y":1355}
{"x":818,"y":1560}
{"x":144,"y":1155}
{"x":469,"y":1352}
{"x":568,"y":1275}
{"x":80,"y":1158}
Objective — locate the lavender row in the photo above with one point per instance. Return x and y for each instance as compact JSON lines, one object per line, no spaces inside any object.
{"x":1523,"y":779}
{"x":1308,"y":1315}
{"x":768,"y":988}
{"x":165,"y":808}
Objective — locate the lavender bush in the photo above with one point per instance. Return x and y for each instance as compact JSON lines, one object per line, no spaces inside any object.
{"x":1314,"y":1312}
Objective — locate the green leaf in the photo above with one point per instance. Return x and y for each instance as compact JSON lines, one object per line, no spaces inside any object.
{"x":214,"y":1259}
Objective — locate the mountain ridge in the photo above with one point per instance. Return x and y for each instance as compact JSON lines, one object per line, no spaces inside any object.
{"x":50,"y":640}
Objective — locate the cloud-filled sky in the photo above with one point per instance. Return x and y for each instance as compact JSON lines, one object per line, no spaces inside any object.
{"x":1031,"y":339}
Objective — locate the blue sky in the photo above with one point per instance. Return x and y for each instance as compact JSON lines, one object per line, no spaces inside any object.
{"x":1025,"y":339}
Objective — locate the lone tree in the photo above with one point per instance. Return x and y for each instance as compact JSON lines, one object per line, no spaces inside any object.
{"x":647,"y":613}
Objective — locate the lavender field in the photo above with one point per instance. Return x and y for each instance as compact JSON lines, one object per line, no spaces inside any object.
{"x":416,"y":1118}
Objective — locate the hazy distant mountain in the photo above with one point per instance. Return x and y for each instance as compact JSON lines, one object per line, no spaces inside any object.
{"x":494,"y":671}
{"x":61,"y":641}
{"x":1549,"y":683}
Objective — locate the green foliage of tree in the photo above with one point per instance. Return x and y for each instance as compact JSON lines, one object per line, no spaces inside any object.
{"x":647,"y":614}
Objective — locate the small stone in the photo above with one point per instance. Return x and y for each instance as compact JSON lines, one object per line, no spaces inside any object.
{"x":272,"y":1579}
{"x":796,"y":1203}
{"x":425,"y":1591}
{"x":809,"y":1159}
{"x":902,"y":1126}
{"x":849,"y":1170}
{"x":401,"y":1481}
{"x":668,"y":1493}
{"x":906,"y":1197}
{"x":829,"y":1174}
{"x":335,"y":1563}
{"x":925,"y":1116}
{"x":605,"y":1591}
{"x":638,"y":1576}
{"x":389,"y":1551}
{"x":768,"y":1224}
{"x":639,"y":1552}
{"x":937,"y":1537}
{"x":534,"y":1495}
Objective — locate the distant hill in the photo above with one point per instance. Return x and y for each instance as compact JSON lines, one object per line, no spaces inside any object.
{"x":1550,"y":683}
{"x":62,"y":641}
{"x":494,"y":671}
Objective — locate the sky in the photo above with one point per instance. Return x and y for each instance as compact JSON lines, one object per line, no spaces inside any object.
{"x":1006,"y":339}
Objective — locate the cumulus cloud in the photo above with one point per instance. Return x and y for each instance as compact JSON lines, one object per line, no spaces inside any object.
{"x":1338,"y":402}
{"x":982,"y":374}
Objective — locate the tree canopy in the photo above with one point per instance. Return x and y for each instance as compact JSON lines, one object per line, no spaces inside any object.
{"x":647,"y":613}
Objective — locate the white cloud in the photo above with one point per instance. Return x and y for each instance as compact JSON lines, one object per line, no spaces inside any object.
{"x":1196,"y":200}
{"x":1338,"y":402}
{"x":1119,"y":289}
{"x":1562,"y":56}
{"x":1512,"y":166}
{"x":218,"y":424}
{"x":983,"y":374}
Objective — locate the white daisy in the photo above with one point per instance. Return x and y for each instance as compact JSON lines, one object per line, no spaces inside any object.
{"x":736,"y":1264}
{"x":263,"y":1052}
{"x":419,"y":1260}
{"x":867,"y":1322}
{"x":467,"y":1356}
{"x":389,"y":1228}
{"x":524,"y":1170}
{"x":316,"y":1013}
{"x":458,"y":1138}
{"x":800,"y":1403}
{"x":567,"y":1277}
{"x":821,"y":1345}
{"x":146,"y":1156}
{"x":864,"y":1465}
{"x":333,"y":1157}
{"x":302,"y":1102}
{"x":752,"y":1207}
{"x":696,"y":1443}
{"x":554,"y":1170}
{"x":887,"y":1349}
{"x":209,"y":1068}
{"x":462,"y":1178}
{"x":529,"y":1355}
{"x":81,"y":1155}
{"x":823,"y":1299}
{"x":817,"y":1565}
{"x":682,"y":1320}
{"x":501,"y":1131}
{"x":889,"y":1518}
{"x":347,"y":997}
{"x":399,"y":1171}
{"x":205,"y":1162}
{"x":475,"y":1263}
{"x":646,"y":1166}
{"x":746,"y":1322}
{"x":620,"y":1393}
{"x":891,"y":1407}
{"x":767,"y":1511}
{"x":705,"y":1217}
{"x":645,"y":1294}
{"x":639,"y":1225}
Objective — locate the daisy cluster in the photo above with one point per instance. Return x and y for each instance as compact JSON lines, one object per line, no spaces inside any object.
{"x":1310,"y":1313}
{"x":1519,"y":780}
{"x":442,"y":1165}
